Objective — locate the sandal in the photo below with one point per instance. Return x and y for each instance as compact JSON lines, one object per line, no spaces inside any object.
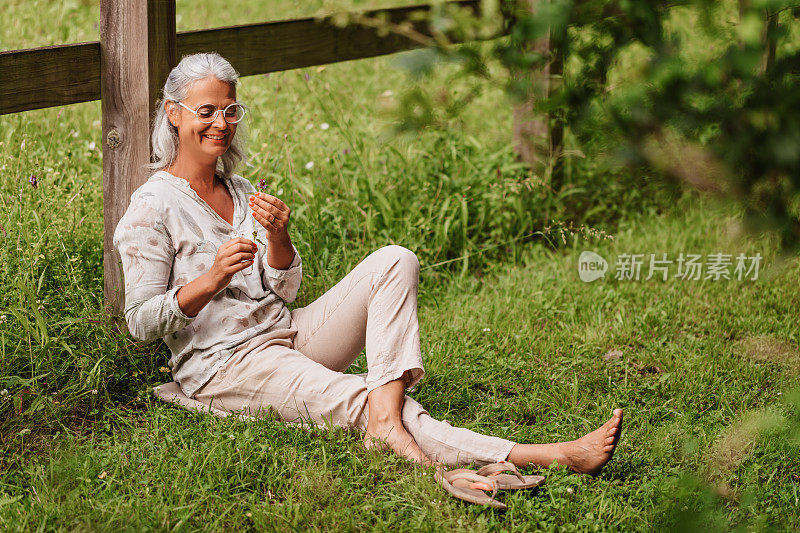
{"x":466,"y":485}
{"x":509,"y":481}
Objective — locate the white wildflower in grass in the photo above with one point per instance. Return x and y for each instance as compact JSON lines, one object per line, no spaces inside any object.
{"x":4,"y":392}
{"x":92,"y":145}
{"x":3,"y":319}
{"x":324,"y":126}
{"x":309,"y":165}
{"x":486,"y":329}
{"x":309,"y":126}
{"x":231,"y":436}
{"x":570,"y":490}
{"x":94,"y":391}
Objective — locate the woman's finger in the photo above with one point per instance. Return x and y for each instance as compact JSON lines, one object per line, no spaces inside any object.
{"x":233,"y":260}
{"x":264,"y":198}
{"x":263,"y":211}
{"x":272,"y":226}
{"x":241,"y":266}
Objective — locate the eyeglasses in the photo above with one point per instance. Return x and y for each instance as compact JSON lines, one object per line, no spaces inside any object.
{"x":207,"y":113}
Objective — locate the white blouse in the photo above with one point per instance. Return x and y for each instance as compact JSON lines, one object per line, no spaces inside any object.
{"x":168,"y":237}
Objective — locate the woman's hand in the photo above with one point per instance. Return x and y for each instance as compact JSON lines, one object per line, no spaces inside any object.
{"x":271,"y":213}
{"x":233,"y":256}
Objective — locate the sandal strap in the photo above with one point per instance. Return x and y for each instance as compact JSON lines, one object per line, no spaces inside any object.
{"x":501,"y":466}
{"x":472,"y":476}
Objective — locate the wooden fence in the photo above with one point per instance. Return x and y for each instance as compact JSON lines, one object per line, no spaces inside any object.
{"x":127,"y":68}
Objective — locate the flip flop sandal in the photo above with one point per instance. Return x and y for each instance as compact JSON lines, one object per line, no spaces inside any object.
{"x":466,"y":485}
{"x":509,"y":481}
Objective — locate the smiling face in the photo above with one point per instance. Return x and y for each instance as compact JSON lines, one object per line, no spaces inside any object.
{"x":198,"y":141}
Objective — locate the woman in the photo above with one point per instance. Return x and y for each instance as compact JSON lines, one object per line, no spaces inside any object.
{"x":218,"y":299}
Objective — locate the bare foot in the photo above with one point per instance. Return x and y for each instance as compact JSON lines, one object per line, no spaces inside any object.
{"x":385,"y":435}
{"x":590,"y":453}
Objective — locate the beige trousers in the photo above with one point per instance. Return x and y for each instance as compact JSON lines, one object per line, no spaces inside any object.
{"x":297,"y":372}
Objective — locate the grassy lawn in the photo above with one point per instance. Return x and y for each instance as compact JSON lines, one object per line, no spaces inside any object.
{"x":703,"y":370}
{"x":514,"y":343}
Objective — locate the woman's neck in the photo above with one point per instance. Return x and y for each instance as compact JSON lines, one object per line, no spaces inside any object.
{"x":200,"y":176}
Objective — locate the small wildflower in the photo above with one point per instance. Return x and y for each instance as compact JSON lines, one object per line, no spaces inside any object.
{"x":248,"y":514}
{"x":92,"y":145}
{"x":280,"y":191}
{"x":231,"y":436}
{"x":41,"y":308}
{"x":309,"y":126}
{"x":163,"y":369}
{"x":4,"y":392}
{"x":102,"y":475}
{"x":22,"y":145}
{"x":345,"y":151}
{"x":94,"y":391}
{"x":74,"y":134}
{"x":324,"y":126}
{"x":262,"y":184}
{"x":486,"y":329}
{"x":570,"y":490}
{"x":3,"y":319}
{"x":306,"y":76}
{"x":34,"y":181}
{"x":309,"y":165}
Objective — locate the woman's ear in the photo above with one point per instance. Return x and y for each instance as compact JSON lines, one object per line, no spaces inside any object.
{"x":170,"y":108}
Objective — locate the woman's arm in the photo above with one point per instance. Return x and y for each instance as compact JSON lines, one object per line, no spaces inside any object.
{"x":147,"y":254}
{"x":285,"y":282}
{"x":233,"y":256}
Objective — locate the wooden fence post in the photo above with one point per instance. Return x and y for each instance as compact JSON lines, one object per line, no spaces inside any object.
{"x":137,"y":47}
{"x":536,"y":141}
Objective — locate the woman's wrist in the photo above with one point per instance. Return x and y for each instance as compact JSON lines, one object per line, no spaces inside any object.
{"x":196,"y":294}
{"x":280,"y":252}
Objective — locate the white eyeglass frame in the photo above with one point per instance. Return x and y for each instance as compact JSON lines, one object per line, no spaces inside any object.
{"x":214,"y":116}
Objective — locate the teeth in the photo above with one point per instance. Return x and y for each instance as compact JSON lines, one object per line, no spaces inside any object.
{"x":215,"y":137}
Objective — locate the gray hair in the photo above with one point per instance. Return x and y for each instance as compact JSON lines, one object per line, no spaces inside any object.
{"x":164,"y":138}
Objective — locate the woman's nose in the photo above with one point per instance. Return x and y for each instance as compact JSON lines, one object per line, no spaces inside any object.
{"x":219,"y":121}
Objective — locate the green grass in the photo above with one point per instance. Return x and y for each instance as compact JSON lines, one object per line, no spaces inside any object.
{"x":538,"y":375}
{"x":706,"y":369}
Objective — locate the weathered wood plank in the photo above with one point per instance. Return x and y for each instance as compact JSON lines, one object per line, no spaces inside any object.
{"x":69,"y":74}
{"x":49,"y":76}
{"x":125,"y":107}
{"x":162,"y":50}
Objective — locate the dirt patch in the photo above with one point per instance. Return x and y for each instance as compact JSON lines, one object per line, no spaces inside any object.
{"x":770,"y":349}
{"x":734,"y":445}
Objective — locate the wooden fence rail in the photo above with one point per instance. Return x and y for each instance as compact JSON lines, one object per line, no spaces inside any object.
{"x":69,"y":74}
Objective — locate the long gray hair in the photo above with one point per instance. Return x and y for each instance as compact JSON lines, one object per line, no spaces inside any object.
{"x":165,"y":136}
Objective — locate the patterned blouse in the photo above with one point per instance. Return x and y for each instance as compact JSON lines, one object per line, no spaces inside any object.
{"x":168,"y":237}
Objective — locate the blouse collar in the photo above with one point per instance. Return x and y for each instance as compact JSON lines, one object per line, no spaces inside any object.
{"x":186,"y":187}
